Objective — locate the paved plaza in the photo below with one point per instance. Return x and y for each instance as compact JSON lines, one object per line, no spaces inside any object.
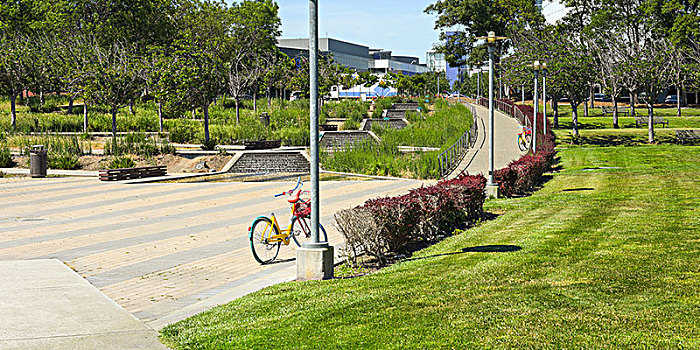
{"x":161,"y":251}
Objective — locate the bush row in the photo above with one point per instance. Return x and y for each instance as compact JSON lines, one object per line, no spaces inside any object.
{"x":386,"y":226}
{"x":523,"y":175}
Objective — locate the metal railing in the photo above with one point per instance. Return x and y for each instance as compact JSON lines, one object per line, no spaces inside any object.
{"x":450,"y":158}
{"x":508,"y":109}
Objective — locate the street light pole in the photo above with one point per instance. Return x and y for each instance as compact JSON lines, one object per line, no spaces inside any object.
{"x":536,"y":104}
{"x":491,"y":185}
{"x":315,"y":258}
{"x":544,"y":96}
{"x":313,"y":82}
{"x":478,"y":83}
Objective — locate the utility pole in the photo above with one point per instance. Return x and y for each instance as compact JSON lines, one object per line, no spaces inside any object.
{"x":315,"y":258}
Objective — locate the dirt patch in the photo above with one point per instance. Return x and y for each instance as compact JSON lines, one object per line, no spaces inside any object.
{"x":175,"y":164}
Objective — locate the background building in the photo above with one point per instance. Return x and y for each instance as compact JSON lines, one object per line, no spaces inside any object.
{"x":358,"y":57}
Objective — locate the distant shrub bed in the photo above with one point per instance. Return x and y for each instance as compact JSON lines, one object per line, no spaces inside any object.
{"x":384,"y":227}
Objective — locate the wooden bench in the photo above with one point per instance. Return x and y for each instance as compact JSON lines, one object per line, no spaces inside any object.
{"x":620,"y":110}
{"x":644,"y":120}
{"x":133,"y":173}
{"x":684,"y":135}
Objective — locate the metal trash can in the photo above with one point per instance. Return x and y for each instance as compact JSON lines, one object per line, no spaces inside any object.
{"x":37,"y":161}
{"x":265,"y":119}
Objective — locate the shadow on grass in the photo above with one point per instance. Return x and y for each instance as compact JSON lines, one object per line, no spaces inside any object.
{"x":578,"y":189}
{"x":491,"y":248}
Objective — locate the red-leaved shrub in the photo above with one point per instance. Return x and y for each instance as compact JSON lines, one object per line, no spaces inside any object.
{"x":385,"y":226}
{"x":522,"y":175}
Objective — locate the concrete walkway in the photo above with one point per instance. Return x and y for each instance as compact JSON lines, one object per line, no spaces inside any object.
{"x":163,"y":252}
{"x":476,"y":161}
{"x":46,"y":305}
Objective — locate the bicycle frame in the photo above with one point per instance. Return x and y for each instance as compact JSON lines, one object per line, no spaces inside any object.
{"x":283,"y":235}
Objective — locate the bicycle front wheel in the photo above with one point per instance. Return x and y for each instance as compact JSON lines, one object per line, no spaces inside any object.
{"x":261,"y":230}
{"x":301,"y":231}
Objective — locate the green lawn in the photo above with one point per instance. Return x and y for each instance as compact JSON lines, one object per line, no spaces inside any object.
{"x":565,"y":110}
{"x":615,"y":137}
{"x":627,"y":123}
{"x":604,"y":258}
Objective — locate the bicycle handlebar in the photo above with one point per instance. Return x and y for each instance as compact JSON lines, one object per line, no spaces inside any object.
{"x":299,"y":184}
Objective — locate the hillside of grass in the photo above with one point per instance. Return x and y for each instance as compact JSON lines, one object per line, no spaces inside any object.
{"x":604,"y":256}
{"x":438,"y":129}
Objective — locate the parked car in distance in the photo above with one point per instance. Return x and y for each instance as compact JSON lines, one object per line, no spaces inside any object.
{"x":625,"y":99}
{"x":672,"y":99}
{"x":601,"y":98}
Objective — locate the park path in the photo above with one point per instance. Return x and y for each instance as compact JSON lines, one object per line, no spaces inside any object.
{"x":161,"y":251}
{"x":506,"y":150}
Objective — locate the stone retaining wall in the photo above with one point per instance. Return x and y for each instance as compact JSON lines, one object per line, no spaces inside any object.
{"x":271,"y":162}
{"x":405,"y":106}
{"x":397,"y":123}
{"x":341,"y":139}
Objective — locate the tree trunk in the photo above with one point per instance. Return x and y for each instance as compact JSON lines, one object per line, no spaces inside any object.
{"x":85,"y":117}
{"x":13,"y":111}
{"x":269,"y":98}
{"x":255,"y":101}
{"x":633,"y":101}
{"x":160,"y":116}
{"x":41,"y":98}
{"x":591,"y":96}
{"x":615,"y":121}
{"x":651,"y":122}
{"x":678,"y":103}
{"x":238,"y":111}
{"x":70,"y":105}
{"x":193,"y":113}
{"x":131,"y":107}
{"x":555,"y":110}
{"x":585,"y":109}
{"x":115,"y":149}
{"x":574,"y":119}
{"x":205,"y":109}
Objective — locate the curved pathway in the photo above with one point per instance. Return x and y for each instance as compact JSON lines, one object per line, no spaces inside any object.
{"x":476,"y":161}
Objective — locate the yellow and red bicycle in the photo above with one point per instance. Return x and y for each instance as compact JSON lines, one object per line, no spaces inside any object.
{"x":265,"y":234}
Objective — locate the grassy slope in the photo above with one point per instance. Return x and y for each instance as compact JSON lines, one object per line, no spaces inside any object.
{"x":613,"y":264}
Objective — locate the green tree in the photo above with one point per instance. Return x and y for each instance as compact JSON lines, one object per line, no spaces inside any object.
{"x":461,"y":21}
{"x":15,"y":68}
{"x":255,"y":28}
{"x":112,"y":78}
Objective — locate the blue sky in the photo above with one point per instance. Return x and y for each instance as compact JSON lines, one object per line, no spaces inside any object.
{"x":397,"y":25}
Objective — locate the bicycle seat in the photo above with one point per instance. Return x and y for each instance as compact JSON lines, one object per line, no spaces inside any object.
{"x":295,"y":197}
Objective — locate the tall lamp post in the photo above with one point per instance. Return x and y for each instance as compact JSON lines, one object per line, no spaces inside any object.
{"x":315,"y":258}
{"x":491,"y":39}
{"x":544,"y":96}
{"x":536,"y":104}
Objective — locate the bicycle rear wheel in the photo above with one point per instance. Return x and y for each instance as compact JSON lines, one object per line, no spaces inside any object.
{"x":301,"y":231}
{"x":260,"y":232}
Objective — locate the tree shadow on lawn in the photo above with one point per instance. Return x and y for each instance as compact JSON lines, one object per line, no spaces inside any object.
{"x":491,"y":248}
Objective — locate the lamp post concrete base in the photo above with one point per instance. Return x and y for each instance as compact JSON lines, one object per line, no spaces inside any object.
{"x":492,"y":191}
{"x":315,"y":262}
